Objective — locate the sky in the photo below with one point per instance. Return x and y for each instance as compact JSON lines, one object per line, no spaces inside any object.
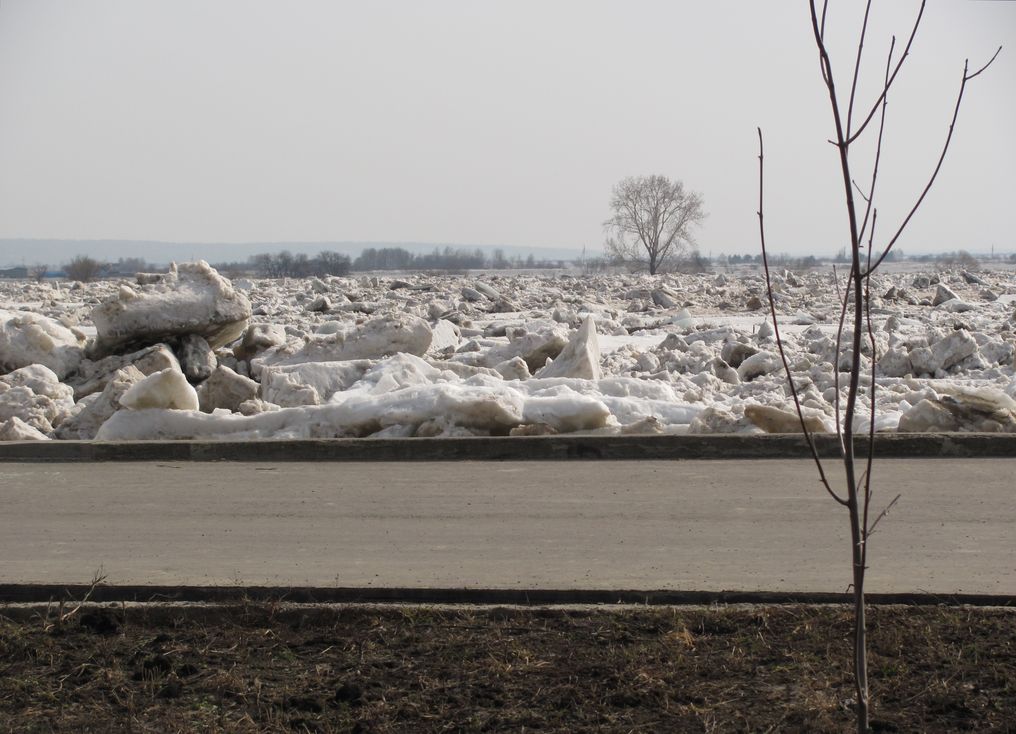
{"x":487,"y":123}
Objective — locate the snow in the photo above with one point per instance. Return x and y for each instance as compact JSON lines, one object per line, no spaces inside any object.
{"x":186,"y":354}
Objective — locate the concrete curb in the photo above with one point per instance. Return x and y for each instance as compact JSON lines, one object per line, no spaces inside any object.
{"x":532,"y":448}
{"x":73,"y":593}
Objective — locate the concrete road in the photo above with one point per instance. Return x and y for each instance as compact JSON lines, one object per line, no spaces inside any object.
{"x":691,"y":525}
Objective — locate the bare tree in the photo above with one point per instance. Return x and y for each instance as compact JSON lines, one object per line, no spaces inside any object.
{"x":287,"y":265}
{"x":84,"y":268}
{"x":332,"y":263}
{"x":130,"y":266}
{"x":285,"y":262}
{"x":856,"y":493}
{"x":38,"y":272}
{"x":652,"y":221}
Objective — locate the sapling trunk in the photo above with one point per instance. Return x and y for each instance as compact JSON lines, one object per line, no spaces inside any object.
{"x":858,"y":491}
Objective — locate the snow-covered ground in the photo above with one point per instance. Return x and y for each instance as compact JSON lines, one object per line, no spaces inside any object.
{"x":187,"y":354}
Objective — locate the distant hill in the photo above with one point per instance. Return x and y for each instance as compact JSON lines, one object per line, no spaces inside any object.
{"x":15,"y":252}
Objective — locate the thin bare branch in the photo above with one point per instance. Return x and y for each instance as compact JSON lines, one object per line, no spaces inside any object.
{"x":98,"y":578}
{"x":860,"y":191}
{"x":819,"y":30}
{"x":884,"y":513}
{"x":871,"y":389}
{"x":990,"y":62}
{"x":941,"y":158}
{"x":857,"y":66}
{"x":846,"y":437}
{"x":776,"y":330}
{"x":845,"y":298}
{"x":892,"y":78}
{"x":861,"y":480}
{"x":870,"y":198}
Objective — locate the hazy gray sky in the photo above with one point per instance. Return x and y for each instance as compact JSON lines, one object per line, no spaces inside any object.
{"x":480,"y":122}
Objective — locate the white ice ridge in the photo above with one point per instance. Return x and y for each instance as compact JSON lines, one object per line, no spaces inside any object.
{"x":184,"y":354}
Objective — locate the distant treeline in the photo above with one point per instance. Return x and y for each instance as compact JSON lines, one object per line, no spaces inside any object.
{"x":957,"y":258}
{"x":793,"y":261}
{"x":784,"y":261}
{"x":286,"y":265}
{"x":450,"y":258}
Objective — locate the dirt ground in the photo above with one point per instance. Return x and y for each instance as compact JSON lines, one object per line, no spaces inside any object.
{"x":424,"y":669}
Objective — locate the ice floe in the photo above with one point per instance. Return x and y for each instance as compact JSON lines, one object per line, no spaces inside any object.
{"x":186,"y":354}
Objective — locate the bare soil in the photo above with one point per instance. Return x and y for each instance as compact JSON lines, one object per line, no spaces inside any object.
{"x":425,"y":669}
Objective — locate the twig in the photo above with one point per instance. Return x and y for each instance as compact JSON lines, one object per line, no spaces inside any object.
{"x":871,"y":389}
{"x":882,"y":514}
{"x":885,"y":90}
{"x":870,"y":198}
{"x":776,"y":329}
{"x":63,"y":617}
{"x":845,"y":297}
{"x":938,"y":166}
{"x":857,"y":66}
{"x":860,"y":192}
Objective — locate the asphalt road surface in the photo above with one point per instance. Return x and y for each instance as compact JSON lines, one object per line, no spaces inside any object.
{"x":742,"y":525}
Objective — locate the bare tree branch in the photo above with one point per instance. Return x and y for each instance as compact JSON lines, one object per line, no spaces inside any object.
{"x":870,"y":198}
{"x":990,"y":62}
{"x":882,"y":514}
{"x":871,"y":418}
{"x":885,"y":89}
{"x":941,"y":157}
{"x":857,"y":65}
{"x":776,"y":329}
{"x":845,"y":296}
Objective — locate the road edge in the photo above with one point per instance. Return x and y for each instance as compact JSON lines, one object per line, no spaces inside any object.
{"x":20,"y":594}
{"x":530,"y":448}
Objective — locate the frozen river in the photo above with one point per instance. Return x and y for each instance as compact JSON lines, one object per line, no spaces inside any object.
{"x":189,"y":354}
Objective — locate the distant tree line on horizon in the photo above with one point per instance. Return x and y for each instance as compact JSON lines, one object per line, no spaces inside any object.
{"x":287,"y":265}
{"x":450,"y":258}
{"x":284,"y":264}
{"x":85,"y":268}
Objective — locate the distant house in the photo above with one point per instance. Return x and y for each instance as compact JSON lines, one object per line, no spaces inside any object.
{"x":19,"y":272}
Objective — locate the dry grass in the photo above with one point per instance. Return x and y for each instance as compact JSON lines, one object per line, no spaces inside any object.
{"x":399,"y":669}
